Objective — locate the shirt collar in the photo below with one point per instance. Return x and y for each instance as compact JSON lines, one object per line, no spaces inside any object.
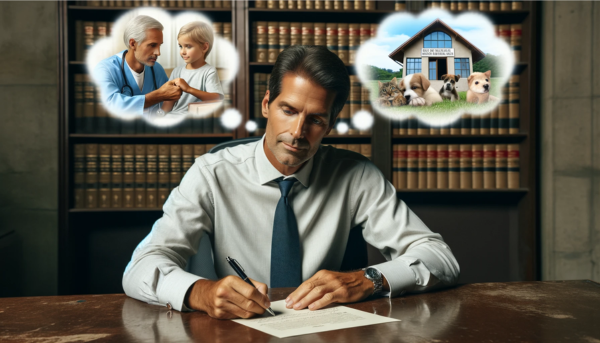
{"x":267,"y":172}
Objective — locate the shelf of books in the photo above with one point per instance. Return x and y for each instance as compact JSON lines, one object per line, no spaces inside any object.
{"x":114,"y":167}
{"x":118,"y":174}
{"x":486,"y":160}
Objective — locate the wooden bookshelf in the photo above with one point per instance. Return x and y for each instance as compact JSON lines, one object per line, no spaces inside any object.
{"x":465,"y":218}
{"x":80,"y":227}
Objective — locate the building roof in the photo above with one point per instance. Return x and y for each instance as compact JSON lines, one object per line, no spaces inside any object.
{"x":398,"y":54}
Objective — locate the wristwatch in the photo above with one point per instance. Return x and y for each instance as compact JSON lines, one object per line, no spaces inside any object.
{"x":377,"y":278}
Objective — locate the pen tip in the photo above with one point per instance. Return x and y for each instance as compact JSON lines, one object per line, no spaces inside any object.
{"x":271,"y":311}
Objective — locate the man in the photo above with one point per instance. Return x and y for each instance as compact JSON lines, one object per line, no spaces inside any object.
{"x":283,"y":207}
{"x":135,"y":86}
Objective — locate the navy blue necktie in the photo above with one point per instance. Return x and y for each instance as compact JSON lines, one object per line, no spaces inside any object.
{"x":286,"y":259}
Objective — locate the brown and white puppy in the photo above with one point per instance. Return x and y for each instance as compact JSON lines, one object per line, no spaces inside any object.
{"x":417,"y":92}
{"x":479,"y":88}
{"x":448,"y":90}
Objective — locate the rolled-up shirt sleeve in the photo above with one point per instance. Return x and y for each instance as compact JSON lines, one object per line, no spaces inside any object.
{"x":156,"y":272}
{"x":417,"y":258}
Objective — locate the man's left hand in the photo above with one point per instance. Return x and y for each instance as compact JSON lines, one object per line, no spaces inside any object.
{"x":326,"y":287}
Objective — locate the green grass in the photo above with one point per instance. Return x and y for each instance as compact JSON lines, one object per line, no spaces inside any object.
{"x":441,"y":108}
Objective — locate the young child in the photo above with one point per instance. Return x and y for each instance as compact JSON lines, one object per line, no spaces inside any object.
{"x":198,"y":80}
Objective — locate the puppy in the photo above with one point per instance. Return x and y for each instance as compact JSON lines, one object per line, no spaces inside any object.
{"x":417,"y":92}
{"x":448,"y":90}
{"x":479,"y":88}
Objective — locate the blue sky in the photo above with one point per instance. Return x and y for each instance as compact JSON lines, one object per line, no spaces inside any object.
{"x":399,"y":27}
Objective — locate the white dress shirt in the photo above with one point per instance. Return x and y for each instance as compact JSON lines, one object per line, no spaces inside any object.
{"x":231,"y":197}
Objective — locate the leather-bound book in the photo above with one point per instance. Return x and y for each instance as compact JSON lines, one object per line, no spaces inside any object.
{"x":175,"y":173}
{"x":477,"y":163}
{"x":453,"y":166}
{"x":442,"y":166}
{"x":284,"y":35}
{"x":489,"y":166}
{"x":164,"y":152}
{"x":272,"y":41}
{"x":116,"y":179}
{"x":262,"y":42}
{"x":466,"y":124}
{"x":128,"y":175}
{"x":402,"y":166}
{"x":422,"y":165}
{"x":78,"y":97}
{"x":151,"y":175}
{"x":466,"y":166}
{"x":515,"y":40}
{"x":475,"y":124}
{"x":501,"y":166}
{"x":89,"y":104}
{"x":353,"y":41}
{"x":91,"y":175}
{"x":79,"y":166}
{"x":513,"y":166}
{"x":104,"y":178}
{"x":513,"y":104}
{"x":140,"y":175}
{"x":485,"y":124}
{"x":494,"y":121}
{"x":332,"y":37}
{"x":412,"y":173}
{"x":308,"y":33}
{"x":343,"y":32}
{"x":431,"y":166}
{"x":503,"y":112}
{"x":187,"y":157}
{"x":320,"y":34}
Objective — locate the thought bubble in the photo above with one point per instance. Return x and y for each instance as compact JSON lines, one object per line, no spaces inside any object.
{"x":223,"y":57}
{"x":425,"y":48}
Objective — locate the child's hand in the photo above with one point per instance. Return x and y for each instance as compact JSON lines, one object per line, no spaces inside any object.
{"x":182,"y":84}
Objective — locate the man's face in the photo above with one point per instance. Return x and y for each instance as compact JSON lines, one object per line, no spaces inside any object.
{"x":299,"y":118}
{"x":148,"y":51}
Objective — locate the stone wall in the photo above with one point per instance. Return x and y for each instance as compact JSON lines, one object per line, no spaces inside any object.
{"x":570,"y":140}
{"x":29,"y":142}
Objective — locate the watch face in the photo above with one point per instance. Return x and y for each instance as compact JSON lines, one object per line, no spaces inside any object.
{"x":373,"y":273}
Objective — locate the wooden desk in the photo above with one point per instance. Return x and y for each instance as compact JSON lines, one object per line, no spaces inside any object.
{"x":499,"y":312}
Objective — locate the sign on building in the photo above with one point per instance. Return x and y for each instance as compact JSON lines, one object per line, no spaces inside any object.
{"x":431,"y":52}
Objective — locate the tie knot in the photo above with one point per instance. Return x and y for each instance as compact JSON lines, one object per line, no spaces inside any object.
{"x":285,"y":186}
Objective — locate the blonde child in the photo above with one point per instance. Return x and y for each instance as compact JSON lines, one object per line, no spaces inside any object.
{"x":198,"y":80}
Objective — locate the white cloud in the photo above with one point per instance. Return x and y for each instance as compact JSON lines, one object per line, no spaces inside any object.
{"x":392,"y":42}
{"x":376,"y":55}
{"x":481,"y":39}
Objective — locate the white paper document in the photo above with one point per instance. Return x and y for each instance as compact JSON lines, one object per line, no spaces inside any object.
{"x":289,"y":322}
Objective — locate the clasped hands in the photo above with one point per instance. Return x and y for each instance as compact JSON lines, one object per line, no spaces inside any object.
{"x":173,"y":89}
{"x":231,"y":297}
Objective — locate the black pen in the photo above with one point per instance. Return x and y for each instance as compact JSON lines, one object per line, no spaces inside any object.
{"x":240,"y":271}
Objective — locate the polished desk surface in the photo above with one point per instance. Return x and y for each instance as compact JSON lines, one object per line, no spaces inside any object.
{"x":492,"y":312}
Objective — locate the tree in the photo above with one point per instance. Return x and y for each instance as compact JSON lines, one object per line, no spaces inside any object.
{"x":384,"y":74}
{"x":489,"y":62}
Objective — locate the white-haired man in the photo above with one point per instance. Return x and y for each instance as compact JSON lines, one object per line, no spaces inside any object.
{"x":132,"y":82}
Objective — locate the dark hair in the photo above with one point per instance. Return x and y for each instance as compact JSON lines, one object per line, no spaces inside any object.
{"x":319,"y":65}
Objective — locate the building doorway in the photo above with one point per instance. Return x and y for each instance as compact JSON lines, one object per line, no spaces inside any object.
{"x":437,"y":68}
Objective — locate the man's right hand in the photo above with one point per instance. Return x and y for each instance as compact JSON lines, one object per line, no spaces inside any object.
{"x":168,"y":91}
{"x":228,"y":298}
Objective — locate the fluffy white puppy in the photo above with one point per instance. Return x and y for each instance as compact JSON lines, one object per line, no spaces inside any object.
{"x":417,"y":91}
